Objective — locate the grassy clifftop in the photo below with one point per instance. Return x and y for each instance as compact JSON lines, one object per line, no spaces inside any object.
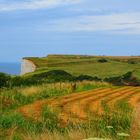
{"x":101,"y":66}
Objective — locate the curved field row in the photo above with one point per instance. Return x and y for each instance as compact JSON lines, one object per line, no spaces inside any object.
{"x":78,"y":97}
{"x":109,"y":98}
{"x":109,"y":101}
{"x":125,"y":96}
{"x":91,"y":95}
{"x":78,"y":105}
{"x":135,"y":100}
{"x":76,"y":108}
{"x":34,"y":109}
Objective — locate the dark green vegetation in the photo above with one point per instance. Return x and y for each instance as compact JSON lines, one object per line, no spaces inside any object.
{"x":55,"y":76}
{"x":4,"y":80}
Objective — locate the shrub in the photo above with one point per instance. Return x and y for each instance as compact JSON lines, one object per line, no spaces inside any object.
{"x":26,"y":81}
{"x":126,"y":79}
{"x":127,"y":76}
{"x":32,"y":80}
{"x":61,"y":76}
{"x":114,"y":80}
{"x":102,"y":60}
{"x":54,"y":76}
{"x":130,"y":61}
{"x":130,"y":80}
{"x":87,"y":77}
{"x":16,"y":81}
{"x":4,"y":80}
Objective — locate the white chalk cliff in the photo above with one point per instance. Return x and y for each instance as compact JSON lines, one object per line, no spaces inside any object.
{"x":27,"y":66}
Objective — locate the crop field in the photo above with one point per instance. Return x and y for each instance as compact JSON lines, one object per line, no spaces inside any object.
{"x":78,"y":106}
{"x":120,"y":104}
{"x":54,"y":112}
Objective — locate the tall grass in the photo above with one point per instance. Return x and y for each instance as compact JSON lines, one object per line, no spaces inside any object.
{"x":48,"y":126}
{"x":19,"y":96}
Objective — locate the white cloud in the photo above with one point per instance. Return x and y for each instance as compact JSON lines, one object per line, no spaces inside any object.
{"x":34,"y":4}
{"x":114,"y":23}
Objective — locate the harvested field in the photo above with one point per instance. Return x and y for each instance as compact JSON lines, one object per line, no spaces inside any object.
{"x":77,"y":106}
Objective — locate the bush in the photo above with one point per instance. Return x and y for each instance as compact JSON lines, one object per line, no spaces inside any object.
{"x":4,"y":80}
{"x":16,"y":81}
{"x":126,"y":79}
{"x":54,"y":76}
{"x":45,"y":77}
{"x":117,"y":81}
{"x":62,"y":76}
{"x":102,"y":60}
{"x":127,"y":76}
{"x":131,"y":61}
{"x":130,"y":80}
{"x":87,"y":77}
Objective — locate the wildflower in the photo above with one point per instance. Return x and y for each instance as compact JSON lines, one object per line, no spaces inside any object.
{"x":109,"y":127}
{"x":123,"y":134}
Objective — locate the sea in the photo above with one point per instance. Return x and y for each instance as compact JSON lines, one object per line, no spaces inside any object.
{"x":11,"y":68}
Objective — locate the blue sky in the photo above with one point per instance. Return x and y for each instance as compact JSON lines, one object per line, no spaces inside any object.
{"x":94,"y":27}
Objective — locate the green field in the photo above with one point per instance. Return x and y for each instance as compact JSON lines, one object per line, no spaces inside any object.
{"x":88,"y":65}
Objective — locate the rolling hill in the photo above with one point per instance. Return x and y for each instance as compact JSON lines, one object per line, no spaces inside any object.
{"x":100,"y":66}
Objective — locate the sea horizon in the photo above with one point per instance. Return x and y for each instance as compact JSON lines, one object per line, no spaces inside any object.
{"x":12,"y":68}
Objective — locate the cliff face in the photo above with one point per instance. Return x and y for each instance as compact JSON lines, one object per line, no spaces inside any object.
{"x":27,"y":66}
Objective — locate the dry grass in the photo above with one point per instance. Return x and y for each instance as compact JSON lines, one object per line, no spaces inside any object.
{"x":36,"y":89}
{"x":72,"y":135}
{"x":78,"y":134}
{"x":135,"y":128}
{"x":31,"y":90}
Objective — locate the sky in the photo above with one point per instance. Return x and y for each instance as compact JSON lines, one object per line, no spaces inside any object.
{"x":89,"y":27}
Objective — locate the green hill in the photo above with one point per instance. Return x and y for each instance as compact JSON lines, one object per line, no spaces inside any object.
{"x":101,"y":66}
